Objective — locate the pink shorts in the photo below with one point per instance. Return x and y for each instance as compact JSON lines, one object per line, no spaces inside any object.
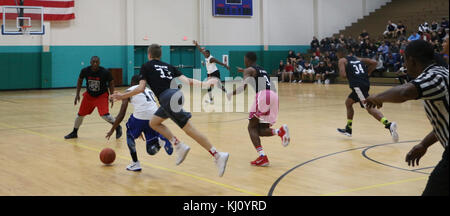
{"x":265,"y":107}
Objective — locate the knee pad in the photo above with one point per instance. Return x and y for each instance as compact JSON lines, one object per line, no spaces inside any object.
{"x":153,"y":147}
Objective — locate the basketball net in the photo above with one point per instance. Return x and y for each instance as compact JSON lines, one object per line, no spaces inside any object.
{"x":26,"y":30}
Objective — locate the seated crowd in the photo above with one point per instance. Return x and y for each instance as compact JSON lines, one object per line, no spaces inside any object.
{"x":321,"y":64}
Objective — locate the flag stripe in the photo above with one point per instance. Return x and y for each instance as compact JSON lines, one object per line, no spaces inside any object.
{"x":60,"y":4}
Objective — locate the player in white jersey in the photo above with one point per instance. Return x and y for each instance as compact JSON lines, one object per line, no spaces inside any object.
{"x":139,"y":122}
{"x":213,"y":71}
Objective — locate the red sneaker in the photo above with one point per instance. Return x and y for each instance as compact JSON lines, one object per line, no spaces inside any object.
{"x":284,"y":134}
{"x":261,"y":161}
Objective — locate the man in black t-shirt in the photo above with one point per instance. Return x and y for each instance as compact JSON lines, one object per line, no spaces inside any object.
{"x":357,"y":71}
{"x":160,"y":76}
{"x":98,"y":79}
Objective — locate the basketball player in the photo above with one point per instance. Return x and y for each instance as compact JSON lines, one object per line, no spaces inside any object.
{"x":161,"y":78}
{"x":357,"y":71}
{"x":98,"y":79}
{"x":430,"y":84}
{"x":139,"y":122}
{"x":262,"y":115}
{"x":213,"y":72}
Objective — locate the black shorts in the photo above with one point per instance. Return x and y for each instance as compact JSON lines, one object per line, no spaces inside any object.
{"x":438,"y":181}
{"x":354,"y":96}
{"x":171,"y":102}
{"x":215,"y":74}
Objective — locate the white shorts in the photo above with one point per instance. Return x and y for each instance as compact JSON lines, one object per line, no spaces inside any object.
{"x":308,"y":71}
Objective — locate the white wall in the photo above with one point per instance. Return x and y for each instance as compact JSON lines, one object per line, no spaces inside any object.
{"x":166,"y":21}
{"x":275,"y":22}
{"x":290,"y":22}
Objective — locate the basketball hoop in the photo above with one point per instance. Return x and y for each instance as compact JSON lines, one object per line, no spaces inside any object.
{"x":26,"y":30}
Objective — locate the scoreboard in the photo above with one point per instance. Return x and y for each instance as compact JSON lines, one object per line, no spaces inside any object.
{"x":242,"y":8}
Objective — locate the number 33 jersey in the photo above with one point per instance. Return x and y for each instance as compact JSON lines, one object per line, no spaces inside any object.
{"x":159,"y":76}
{"x":144,"y":104}
{"x":357,"y":73}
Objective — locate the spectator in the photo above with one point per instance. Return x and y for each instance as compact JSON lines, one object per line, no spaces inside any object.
{"x":414,"y":36}
{"x":384,"y":50}
{"x":435,"y":37}
{"x":291,"y":57}
{"x":308,"y":71}
{"x":315,"y":43}
{"x":320,"y":72}
{"x":315,"y":61}
{"x":280,"y":70}
{"x":401,"y":30}
{"x":402,"y":75}
{"x":330,"y":73}
{"x":364,"y":35}
{"x":441,"y":34}
{"x":342,"y":39}
{"x":444,"y":23}
{"x":317,"y":52}
{"x":300,"y":61}
{"x":435,"y":26}
{"x":423,"y":27}
{"x":391,"y":28}
{"x":288,"y":71}
{"x":380,"y":65}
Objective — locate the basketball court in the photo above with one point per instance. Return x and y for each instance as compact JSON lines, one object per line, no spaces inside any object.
{"x":36,"y":160}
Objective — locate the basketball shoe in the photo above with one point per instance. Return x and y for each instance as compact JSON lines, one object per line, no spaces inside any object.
{"x":221,"y":160}
{"x":347,"y":131}
{"x":392,"y":127}
{"x":134,"y":166}
{"x":182,"y":151}
{"x":261,"y":161}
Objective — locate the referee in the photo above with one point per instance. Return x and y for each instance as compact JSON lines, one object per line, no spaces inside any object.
{"x":430,"y":85}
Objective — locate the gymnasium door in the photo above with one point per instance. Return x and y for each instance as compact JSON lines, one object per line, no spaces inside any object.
{"x":140,"y":57}
{"x":183,"y":57}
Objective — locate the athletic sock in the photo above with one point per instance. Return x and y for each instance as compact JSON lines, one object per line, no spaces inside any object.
{"x":213,"y":152}
{"x":349,"y":123}
{"x":78,"y":122}
{"x":276,"y":132}
{"x":75,"y":130}
{"x":174,"y":141}
{"x":384,"y":121}
{"x":260,"y":150}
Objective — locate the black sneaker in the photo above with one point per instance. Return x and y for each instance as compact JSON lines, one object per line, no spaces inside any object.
{"x":118,"y":132}
{"x":347,"y":131}
{"x":72,"y":135}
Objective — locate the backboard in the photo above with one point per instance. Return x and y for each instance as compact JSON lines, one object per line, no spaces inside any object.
{"x":20,"y":20}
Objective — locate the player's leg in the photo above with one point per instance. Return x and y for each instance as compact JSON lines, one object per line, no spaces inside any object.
{"x":155,"y":141}
{"x":391,"y":126}
{"x":221,"y":158}
{"x":134,"y":130}
{"x":350,"y":114}
{"x":290,"y":76}
{"x":102,"y":104}
{"x":86,"y":108}
{"x":253,"y":131}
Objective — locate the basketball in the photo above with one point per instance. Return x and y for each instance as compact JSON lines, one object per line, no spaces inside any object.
{"x":107,"y":156}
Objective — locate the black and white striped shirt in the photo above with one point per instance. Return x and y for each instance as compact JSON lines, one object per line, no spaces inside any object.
{"x":432,"y":85}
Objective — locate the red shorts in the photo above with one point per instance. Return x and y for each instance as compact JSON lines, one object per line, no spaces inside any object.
{"x":89,"y":103}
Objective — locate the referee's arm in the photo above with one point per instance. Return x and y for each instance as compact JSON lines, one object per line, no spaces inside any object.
{"x":397,"y":94}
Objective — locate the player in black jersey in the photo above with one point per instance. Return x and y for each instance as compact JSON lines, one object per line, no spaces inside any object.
{"x":161,"y":78}
{"x":357,"y":71}
{"x":264,"y":111}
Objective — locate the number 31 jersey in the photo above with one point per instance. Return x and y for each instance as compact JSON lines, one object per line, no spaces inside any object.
{"x":144,"y":104}
{"x":357,"y":73}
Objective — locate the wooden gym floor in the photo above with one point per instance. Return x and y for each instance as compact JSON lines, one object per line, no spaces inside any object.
{"x":36,"y":160}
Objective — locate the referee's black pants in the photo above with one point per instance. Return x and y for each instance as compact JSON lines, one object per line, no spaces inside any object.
{"x":438,"y":181}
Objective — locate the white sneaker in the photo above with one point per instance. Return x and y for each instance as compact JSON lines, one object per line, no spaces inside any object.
{"x":327,"y":82}
{"x":300,"y":81}
{"x":182,"y":150}
{"x":393,"y":130}
{"x":295,"y":81}
{"x":221,"y":162}
{"x":134,"y":166}
{"x":286,"y":138}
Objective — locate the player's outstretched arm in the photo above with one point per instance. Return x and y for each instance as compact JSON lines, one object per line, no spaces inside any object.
{"x":141,"y":88}
{"x":194,"y":82}
{"x":249,"y":73}
{"x":199,"y":48}
{"x":342,"y":63}
{"x":119,"y":118}
{"x":213,"y":60}
{"x":397,"y":94}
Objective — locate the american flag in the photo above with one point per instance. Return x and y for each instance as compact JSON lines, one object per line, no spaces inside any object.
{"x":54,"y":10}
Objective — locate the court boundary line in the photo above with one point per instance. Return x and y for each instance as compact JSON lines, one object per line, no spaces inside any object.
{"x":145,"y":163}
{"x":274,"y":185}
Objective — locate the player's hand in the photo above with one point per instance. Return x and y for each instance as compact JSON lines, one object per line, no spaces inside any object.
{"x":240,"y":70}
{"x":373,"y":102}
{"x":415,"y":154}
{"x":112,"y":102}
{"x":109,"y":134}
{"x":77,"y":99}
{"x":116,"y":96}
